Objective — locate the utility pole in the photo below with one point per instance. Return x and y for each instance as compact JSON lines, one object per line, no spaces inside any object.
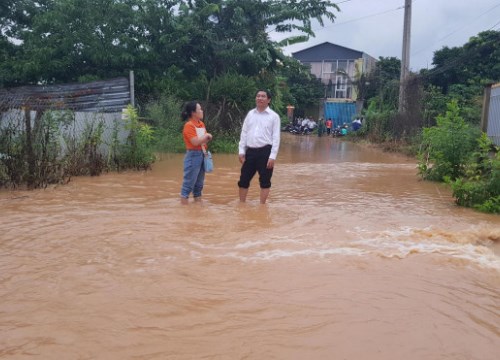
{"x":405,"y":60}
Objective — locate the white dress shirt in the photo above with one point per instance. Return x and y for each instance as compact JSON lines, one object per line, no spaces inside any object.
{"x":260,"y":129}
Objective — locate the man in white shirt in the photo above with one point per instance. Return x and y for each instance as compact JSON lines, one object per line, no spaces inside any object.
{"x":259,"y":145}
{"x":304,"y":124}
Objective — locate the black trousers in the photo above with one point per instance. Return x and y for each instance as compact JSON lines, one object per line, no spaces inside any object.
{"x":256,"y":161}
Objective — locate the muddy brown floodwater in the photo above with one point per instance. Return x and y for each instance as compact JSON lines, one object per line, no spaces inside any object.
{"x":352,"y":258}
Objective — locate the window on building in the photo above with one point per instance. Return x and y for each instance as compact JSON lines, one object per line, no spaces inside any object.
{"x":341,"y":87}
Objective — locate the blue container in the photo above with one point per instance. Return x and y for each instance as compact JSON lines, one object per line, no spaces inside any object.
{"x":340,"y":113}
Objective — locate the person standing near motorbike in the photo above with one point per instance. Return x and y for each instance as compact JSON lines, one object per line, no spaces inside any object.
{"x":328,"y":125}
{"x":321,"y":127}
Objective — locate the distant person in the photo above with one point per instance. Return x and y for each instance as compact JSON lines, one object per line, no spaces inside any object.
{"x":304,"y":124}
{"x":311,"y":125}
{"x":195,"y":139}
{"x":329,"y":124}
{"x":259,"y":145}
{"x":356,"y":124}
{"x":321,"y":127}
{"x":343,"y":130}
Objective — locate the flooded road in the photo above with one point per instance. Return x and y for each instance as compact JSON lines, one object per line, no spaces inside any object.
{"x":352,"y":258}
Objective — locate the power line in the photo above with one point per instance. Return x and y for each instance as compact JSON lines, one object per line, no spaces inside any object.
{"x":491,"y":28}
{"x":450,"y":64}
{"x":461,"y":28}
{"x":353,"y":20}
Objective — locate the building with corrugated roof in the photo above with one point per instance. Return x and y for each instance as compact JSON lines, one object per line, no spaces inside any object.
{"x":338,"y":68}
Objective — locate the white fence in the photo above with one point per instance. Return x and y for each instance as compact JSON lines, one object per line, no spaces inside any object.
{"x":491,"y":113}
{"x":75,"y":127}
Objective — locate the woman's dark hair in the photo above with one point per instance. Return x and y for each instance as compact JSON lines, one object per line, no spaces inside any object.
{"x":189,"y":108}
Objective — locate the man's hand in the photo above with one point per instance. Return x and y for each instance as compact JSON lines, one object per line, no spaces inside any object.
{"x":242,"y":158}
{"x":270,"y":163}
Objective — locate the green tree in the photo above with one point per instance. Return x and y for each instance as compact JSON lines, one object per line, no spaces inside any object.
{"x":447,"y":146}
{"x":67,"y":40}
{"x":300,"y":88}
{"x":475,"y":63}
{"x":480,"y":187}
{"x":383,"y":83}
{"x":220,"y":36}
{"x":78,"y":38}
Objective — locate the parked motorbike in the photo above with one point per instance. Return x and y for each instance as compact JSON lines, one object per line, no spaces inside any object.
{"x":292,"y":129}
{"x":336,"y":132}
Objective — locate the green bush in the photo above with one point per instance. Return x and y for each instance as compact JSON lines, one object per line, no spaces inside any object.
{"x":31,"y":154}
{"x":82,"y":156}
{"x":229,"y":97}
{"x":446,"y":147}
{"x":13,"y":167}
{"x":480,"y":187}
{"x":492,"y":205}
{"x":376,"y":126}
{"x":165,"y":115}
{"x":224,"y":143}
{"x":137,"y":152}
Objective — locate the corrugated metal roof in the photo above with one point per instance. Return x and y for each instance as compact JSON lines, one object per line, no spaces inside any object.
{"x":97,"y":96}
{"x":327,"y":51}
{"x":493,"y":130}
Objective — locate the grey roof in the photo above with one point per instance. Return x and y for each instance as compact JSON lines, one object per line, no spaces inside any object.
{"x":327,"y":51}
{"x":102,"y":96}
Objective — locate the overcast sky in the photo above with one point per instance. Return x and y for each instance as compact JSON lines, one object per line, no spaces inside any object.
{"x":376,"y":27}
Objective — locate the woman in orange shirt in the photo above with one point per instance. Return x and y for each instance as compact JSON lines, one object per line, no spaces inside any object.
{"x":195,"y":138}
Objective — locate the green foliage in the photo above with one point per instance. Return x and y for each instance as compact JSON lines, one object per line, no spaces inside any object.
{"x":164,"y":115}
{"x":47,"y":139}
{"x":137,"y":151}
{"x":82,"y":155}
{"x":299,"y":87}
{"x":475,"y":63}
{"x":377,"y":124}
{"x":480,"y":186}
{"x":447,"y":146}
{"x":67,"y":40}
{"x":229,"y":97}
{"x":223,"y":115}
{"x":380,"y":92}
{"x":46,"y":150}
{"x":31,"y":154}
{"x":468,"y":97}
{"x":218,"y":52}
{"x":470,"y":100}
{"x":382,"y":84}
{"x":13,"y":167}
{"x":225,"y":143}
{"x":491,"y":205}
{"x":434,"y":102}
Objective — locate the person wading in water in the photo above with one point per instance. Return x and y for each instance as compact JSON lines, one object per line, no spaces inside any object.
{"x":259,"y":145}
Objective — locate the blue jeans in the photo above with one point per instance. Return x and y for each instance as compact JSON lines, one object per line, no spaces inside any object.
{"x":194,"y":174}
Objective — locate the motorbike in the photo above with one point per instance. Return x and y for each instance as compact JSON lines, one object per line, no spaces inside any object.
{"x":336,"y":132}
{"x":292,"y":129}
